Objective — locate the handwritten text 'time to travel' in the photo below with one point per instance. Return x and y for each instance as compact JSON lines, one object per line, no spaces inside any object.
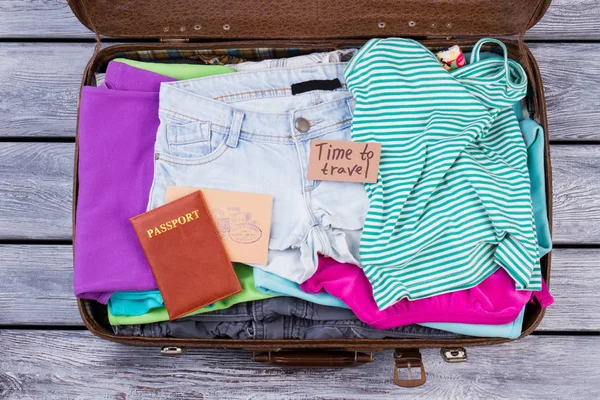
{"x":340,"y":160}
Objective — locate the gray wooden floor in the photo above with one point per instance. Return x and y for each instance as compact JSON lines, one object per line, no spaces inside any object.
{"x":45,"y":353}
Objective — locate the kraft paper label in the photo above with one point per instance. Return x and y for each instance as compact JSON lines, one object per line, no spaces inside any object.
{"x":340,"y":160}
{"x":242,"y":219}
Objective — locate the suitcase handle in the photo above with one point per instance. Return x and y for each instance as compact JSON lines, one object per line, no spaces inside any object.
{"x":313,"y":358}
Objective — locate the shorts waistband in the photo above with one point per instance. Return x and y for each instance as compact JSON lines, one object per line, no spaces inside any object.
{"x":208,"y":100}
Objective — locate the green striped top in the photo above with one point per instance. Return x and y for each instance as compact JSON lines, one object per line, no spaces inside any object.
{"x":452,"y":202}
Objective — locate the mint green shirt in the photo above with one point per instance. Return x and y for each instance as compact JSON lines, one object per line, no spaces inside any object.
{"x":452,"y":202}
{"x":178,"y":71}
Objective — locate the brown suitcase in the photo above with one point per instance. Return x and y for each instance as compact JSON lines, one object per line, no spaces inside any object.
{"x":215,"y":26}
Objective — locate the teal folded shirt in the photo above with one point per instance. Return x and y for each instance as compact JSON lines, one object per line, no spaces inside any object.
{"x":509,"y":331}
{"x":269,"y":283}
{"x":134,"y":303}
{"x":533,"y":135}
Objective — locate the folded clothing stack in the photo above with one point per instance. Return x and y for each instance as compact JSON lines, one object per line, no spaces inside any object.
{"x":449,"y":237}
{"x":278,"y":318}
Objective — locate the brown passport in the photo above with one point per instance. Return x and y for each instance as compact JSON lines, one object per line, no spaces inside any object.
{"x":186,"y":255}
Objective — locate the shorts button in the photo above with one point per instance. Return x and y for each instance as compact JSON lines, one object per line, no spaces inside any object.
{"x":302,"y":125}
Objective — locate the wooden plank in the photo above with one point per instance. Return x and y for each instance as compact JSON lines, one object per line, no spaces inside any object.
{"x":576,"y":194}
{"x":565,"y":19}
{"x":39,"y":87}
{"x":36,"y":192}
{"x":36,"y":285}
{"x":574,"y":279}
{"x":40,"y":19}
{"x":569,"y":20}
{"x":36,"y":288}
{"x":571,"y":89}
{"x":59,"y":364}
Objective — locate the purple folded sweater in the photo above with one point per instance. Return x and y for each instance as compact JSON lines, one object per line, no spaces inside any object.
{"x":117,"y":131}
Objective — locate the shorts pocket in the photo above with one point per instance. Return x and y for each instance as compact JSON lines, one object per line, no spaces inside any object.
{"x":189,"y":140}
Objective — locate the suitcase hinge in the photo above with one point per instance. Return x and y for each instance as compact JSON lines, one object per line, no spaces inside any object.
{"x":454,"y":355}
{"x":174,"y":40}
{"x":408,"y":359}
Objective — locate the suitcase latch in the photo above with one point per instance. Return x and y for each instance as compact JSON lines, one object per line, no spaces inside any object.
{"x":454,"y":355}
{"x":408,"y":359}
{"x":172,"y":351}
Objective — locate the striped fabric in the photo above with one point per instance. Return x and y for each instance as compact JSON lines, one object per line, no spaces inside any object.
{"x":452,"y":202}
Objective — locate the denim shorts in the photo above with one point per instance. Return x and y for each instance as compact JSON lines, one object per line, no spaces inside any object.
{"x":247,"y":132}
{"x":277,"y":318}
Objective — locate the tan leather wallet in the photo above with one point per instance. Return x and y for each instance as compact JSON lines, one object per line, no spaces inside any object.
{"x":186,"y":255}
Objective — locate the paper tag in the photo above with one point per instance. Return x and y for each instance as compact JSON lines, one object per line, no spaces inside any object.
{"x":341,"y":160}
{"x":242,"y":219}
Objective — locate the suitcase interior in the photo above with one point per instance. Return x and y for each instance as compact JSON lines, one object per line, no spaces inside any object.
{"x":94,"y":314}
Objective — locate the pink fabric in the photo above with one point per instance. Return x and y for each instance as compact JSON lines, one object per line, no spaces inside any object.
{"x":494,"y":301}
{"x":543,"y":296}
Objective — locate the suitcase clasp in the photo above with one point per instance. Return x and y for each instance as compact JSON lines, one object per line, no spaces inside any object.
{"x":172,"y":351}
{"x":454,"y":355}
{"x":409,"y":359}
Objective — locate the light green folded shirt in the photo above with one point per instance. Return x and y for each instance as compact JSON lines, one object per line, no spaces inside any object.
{"x":178,"y":71}
{"x":248,"y":293}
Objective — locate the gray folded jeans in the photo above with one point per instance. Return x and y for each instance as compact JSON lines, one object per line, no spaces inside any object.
{"x":277,"y":318}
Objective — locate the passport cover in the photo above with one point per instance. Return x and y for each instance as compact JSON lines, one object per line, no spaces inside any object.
{"x":242,"y":219}
{"x":186,"y":255}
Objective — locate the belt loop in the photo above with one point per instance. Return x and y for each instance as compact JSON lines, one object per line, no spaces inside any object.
{"x":235,"y":129}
